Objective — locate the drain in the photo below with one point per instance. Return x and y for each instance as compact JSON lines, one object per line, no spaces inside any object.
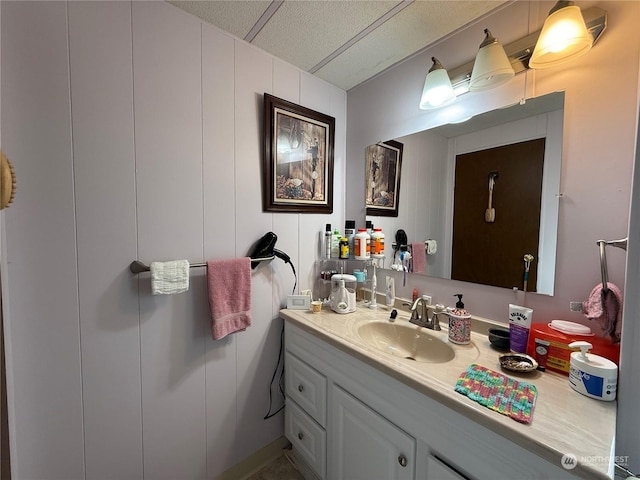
{"x":410,"y":358}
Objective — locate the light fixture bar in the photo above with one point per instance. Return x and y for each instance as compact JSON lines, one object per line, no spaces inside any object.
{"x":520,"y":51}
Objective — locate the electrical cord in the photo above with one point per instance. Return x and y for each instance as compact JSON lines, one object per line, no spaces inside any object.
{"x":280,"y":380}
{"x":286,"y":259}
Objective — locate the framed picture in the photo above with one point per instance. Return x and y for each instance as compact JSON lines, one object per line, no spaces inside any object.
{"x":298,"y":158}
{"x":382,"y":177}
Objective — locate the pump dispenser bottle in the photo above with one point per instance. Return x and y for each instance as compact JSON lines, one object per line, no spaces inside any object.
{"x":592,"y":375}
{"x":459,"y":323}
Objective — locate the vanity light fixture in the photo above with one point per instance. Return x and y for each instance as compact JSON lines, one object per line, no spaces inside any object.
{"x":564,"y":36}
{"x":491,"y":66}
{"x":437,"y":91}
{"x":520,"y":52}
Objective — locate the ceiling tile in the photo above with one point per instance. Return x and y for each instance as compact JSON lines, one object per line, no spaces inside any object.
{"x":414,"y":28}
{"x":234,"y":16}
{"x":305,"y":32}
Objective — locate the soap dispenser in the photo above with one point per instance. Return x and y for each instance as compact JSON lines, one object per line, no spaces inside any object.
{"x":592,"y":375}
{"x":459,"y":323}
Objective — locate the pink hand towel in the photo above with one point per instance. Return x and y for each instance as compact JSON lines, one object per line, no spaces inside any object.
{"x":606,"y":308}
{"x":419,"y":257}
{"x":229,"y":288}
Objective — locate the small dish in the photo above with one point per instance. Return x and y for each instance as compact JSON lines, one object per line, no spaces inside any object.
{"x":518,"y":362}
{"x":499,"y":338}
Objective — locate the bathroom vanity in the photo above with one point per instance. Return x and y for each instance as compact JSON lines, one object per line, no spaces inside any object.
{"x":357,"y":409}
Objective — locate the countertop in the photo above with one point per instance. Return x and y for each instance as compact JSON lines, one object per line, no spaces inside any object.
{"x":564,"y":421}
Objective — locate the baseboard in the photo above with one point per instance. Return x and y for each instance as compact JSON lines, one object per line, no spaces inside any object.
{"x":255,"y":461}
{"x":301,"y":465}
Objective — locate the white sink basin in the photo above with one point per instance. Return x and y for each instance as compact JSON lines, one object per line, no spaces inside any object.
{"x":406,"y":341}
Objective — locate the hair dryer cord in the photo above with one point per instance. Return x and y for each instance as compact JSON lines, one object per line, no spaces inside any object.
{"x":286,"y":259}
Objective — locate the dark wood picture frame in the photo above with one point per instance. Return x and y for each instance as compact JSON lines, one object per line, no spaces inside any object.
{"x":382,"y":178}
{"x":298,"y":158}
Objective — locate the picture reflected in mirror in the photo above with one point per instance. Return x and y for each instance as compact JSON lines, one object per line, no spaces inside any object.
{"x":478,"y":200}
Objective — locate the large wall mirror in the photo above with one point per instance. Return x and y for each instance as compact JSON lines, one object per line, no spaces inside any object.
{"x":480,"y":198}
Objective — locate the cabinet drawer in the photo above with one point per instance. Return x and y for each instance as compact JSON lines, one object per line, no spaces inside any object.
{"x":307,"y":387}
{"x":307,"y":437}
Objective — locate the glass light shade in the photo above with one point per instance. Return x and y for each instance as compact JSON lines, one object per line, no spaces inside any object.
{"x":564,"y":37}
{"x":491,"y":67}
{"x":437,"y":91}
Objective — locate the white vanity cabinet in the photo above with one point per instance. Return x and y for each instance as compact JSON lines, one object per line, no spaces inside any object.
{"x":348,"y":420}
{"x":364,"y":445}
{"x":306,"y":412}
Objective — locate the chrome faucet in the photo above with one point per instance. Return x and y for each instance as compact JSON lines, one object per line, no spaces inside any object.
{"x":420,"y":315}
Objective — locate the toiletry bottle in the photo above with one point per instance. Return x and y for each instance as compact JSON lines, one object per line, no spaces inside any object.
{"x":369,"y":227}
{"x":327,"y":241}
{"x":459,"y":323}
{"x":362,"y":245}
{"x":414,"y":295}
{"x":344,"y":248}
{"x":390,"y":294}
{"x":592,"y":375}
{"x":377,"y":243}
{"x":350,"y":233}
{"x":335,"y":244}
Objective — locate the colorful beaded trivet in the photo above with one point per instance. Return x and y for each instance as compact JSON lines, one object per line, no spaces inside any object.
{"x":498,"y":392}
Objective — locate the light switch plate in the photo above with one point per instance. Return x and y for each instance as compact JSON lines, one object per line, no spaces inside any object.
{"x":298,"y":302}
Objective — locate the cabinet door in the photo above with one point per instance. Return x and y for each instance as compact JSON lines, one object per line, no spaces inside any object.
{"x":365,"y":445}
{"x":438,"y":470}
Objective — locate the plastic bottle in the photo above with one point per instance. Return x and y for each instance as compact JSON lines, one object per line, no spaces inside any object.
{"x":350,"y":233}
{"x":335,"y":244}
{"x":344,"y":248}
{"x":362,"y":245}
{"x":377,"y":243}
{"x":327,"y":241}
{"x":592,"y":375}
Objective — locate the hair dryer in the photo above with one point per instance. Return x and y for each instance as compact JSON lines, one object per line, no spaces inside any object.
{"x":265,"y":248}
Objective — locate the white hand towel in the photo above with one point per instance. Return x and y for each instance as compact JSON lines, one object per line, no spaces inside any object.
{"x":431,"y":246}
{"x":169,"y":277}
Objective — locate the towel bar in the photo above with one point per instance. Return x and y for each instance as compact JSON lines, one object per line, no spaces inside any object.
{"x":138,"y":267}
{"x":622,"y":243}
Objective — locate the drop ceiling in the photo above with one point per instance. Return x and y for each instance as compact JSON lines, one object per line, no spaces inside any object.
{"x":342,"y":42}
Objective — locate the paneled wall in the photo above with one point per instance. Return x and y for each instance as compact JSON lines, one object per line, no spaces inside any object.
{"x":136,"y":133}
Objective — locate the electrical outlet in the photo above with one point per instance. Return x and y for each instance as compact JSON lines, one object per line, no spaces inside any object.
{"x":428,"y":299}
{"x":575,"y":306}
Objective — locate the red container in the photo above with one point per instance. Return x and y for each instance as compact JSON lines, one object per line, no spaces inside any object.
{"x":559,"y":352}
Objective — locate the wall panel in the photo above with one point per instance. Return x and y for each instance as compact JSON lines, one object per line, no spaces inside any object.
{"x":41,"y":311}
{"x":102,"y":108}
{"x":168,"y":129}
{"x":218,"y":130}
{"x":286,"y":85}
{"x":253,"y":71}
